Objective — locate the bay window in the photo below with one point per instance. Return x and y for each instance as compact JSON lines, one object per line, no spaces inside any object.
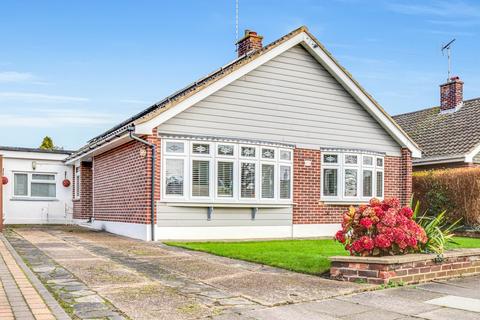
{"x":351,"y":176}
{"x":225,"y":172}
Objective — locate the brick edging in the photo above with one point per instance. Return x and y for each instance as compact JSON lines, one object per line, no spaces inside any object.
{"x":52,"y":304}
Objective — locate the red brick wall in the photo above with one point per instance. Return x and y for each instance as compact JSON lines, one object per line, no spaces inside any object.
{"x":82,"y":207}
{"x":307,"y":186}
{"x":122,"y":182}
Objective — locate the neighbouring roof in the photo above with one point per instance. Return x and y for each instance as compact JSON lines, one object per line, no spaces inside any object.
{"x":22,"y":149}
{"x":444,"y":135}
{"x":204,"y":82}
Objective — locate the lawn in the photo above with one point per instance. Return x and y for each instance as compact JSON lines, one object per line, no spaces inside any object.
{"x":306,"y":256}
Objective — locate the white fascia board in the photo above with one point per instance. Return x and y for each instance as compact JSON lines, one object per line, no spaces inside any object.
{"x":423,"y":162}
{"x":148,"y":126}
{"x":362,"y":98}
{"x":469,"y":156}
{"x":100,"y":149}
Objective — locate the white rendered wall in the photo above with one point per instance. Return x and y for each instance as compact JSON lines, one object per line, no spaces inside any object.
{"x":18,"y":210}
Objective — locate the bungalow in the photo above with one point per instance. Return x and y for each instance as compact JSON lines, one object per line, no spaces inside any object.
{"x":277,"y":143}
{"x":448,"y":134}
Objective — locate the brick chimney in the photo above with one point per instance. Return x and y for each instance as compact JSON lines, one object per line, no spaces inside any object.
{"x":250,"y":42}
{"x":451,"y":95}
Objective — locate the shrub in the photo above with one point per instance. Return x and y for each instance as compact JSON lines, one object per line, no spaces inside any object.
{"x":438,"y":229}
{"x":456,"y":191}
{"x":381,"y":228}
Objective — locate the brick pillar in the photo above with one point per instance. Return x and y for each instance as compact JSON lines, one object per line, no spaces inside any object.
{"x":406,"y":174}
{"x":83,"y":206}
{"x":153,"y":138}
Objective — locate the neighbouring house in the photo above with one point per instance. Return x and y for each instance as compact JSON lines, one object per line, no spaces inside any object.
{"x":33,"y":186}
{"x":449,"y":134}
{"x":276,"y":144}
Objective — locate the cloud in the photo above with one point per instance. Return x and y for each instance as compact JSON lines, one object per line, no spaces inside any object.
{"x":13,"y":76}
{"x":134,"y":101}
{"x":445,"y":8}
{"x":50,"y":118}
{"x":38,"y":97}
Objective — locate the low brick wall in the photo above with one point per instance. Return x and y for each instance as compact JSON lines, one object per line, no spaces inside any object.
{"x":411,"y":268}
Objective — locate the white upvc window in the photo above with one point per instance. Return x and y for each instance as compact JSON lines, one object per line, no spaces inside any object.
{"x":351,"y":177}
{"x":77,"y":183}
{"x":34,"y":185}
{"x":225,"y":172}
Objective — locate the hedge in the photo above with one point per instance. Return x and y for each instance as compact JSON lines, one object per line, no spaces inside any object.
{"x":454,"y":190}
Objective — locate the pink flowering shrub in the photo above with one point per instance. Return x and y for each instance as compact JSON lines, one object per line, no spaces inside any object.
{"x":381,"y":228}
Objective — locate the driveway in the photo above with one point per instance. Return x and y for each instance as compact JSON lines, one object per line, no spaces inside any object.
{"x":100,"y":275}
{"x":143,"y":280}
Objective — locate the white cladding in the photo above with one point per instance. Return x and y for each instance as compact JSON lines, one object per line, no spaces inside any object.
{"x":35,"y":210}
{"x":290,"y":99}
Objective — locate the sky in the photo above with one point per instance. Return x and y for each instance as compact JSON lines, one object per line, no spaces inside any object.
{"x":73,"y":69}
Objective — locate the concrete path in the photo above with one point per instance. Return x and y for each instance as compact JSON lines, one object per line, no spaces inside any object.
{"x":106,"y":276}
{"x":22,"y":296}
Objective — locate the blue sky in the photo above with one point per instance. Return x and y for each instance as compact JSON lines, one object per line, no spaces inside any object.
{"x":74,"y":69}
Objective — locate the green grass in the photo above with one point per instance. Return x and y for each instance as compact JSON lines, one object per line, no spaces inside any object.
{"x":305,"y":256}
{"x":462,"y":242}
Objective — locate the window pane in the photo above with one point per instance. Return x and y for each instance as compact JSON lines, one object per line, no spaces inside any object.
{"x":367,"y":183}
{"x":268,"y":153}
{"x":285,"y":155}
{"x":350,"y":183}
{"x":351,"y":159}
{"x":330,"y":158}
{"x":379,"y":162}
{"x":200,"y":178}
{"x":247,"y":180}
{"x":225,"y":149}
{"x":268,"y":178}
{"x":43,"y":189}
{"x":225,"y":179}
{"x":175,"y":147}
{"x":248,"y":152}
{"x":379,"y":184}
{"x":285,"y":179}
{"x":330,"y":182}
{"x":174,"y":177}
{"x":20,"y":184}
{"x":201,"y":148}
{"x":43,"y":177}
{"x":367,"y":161}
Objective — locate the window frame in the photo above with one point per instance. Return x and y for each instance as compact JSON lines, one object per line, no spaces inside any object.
{"x":30,"y":180}
{"x":236,"y":159}
{"x":360,"y":167}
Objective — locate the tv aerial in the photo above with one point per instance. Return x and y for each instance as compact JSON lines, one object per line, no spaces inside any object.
{"x":447,"y":48}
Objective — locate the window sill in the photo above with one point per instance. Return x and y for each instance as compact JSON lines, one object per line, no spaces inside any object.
{"x":227,"y":205}
{"x":344,"y":202}
{"x":34,"y":199}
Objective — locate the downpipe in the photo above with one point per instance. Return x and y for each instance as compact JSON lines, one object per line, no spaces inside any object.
{"x":152,"y":182}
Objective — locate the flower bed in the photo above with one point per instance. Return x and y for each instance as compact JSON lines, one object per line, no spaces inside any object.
{"x":411,"y":268}
{"x":381,"y":228}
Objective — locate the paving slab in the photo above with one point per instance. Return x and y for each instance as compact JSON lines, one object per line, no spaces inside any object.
{"x":456,"y":302}
{"x":375,"y":314}
{"x":449,"y":314}
{"x":449,"y":288}
{"x":380,"y":301}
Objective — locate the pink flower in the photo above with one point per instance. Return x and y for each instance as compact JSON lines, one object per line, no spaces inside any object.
{"x":340,"y":236}
{"x":382,"y":241}
{"x":366,"y":223}
{"x":367,"y":242}
{"x":407,"y":212}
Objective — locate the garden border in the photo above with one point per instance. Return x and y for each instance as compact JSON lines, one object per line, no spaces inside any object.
{"x":410,"y":268}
